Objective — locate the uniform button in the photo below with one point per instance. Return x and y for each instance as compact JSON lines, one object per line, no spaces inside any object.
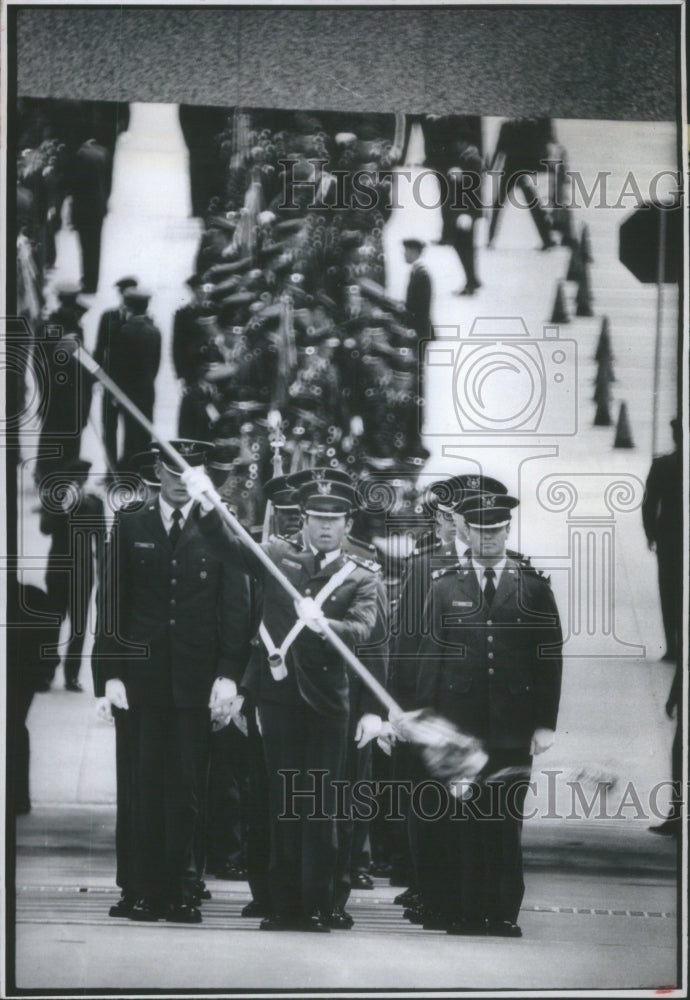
{"x":173,"y":582}
{"x":307,"y":591}
{"x":491,"y":671}
{"x":489,"y":638}
{"x":174,"y":562}
{"x":491,"y":656}
{"x":172,"y":603}
{"x":172,"y":621}
{"x":489,"y":622}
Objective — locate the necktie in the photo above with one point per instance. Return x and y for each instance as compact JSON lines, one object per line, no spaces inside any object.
{"x":320,"y":561}
{"x":176,"y":529}
{"x":489,"y":586}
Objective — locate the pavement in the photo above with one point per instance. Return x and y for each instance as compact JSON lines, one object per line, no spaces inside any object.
{"x":600,"y":909}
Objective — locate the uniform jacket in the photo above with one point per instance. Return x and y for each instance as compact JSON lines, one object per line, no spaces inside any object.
{"x":77,"y":541}
{"x":662,"y":505}
{"x":138,"y":358}
{"x":172,"y":620}
{"x":418,"y":300}
{"x":107,"y":344}
{"x":495,"y":673}
{"x":409,"y":617}
{"x":316,"y":673}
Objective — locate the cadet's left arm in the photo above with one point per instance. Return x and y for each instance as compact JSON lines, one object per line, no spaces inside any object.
{"x":548,"y":672}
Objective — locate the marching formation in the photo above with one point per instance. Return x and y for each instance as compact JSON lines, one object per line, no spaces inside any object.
{"x":201,"y":629}
{"x":288,"y":623}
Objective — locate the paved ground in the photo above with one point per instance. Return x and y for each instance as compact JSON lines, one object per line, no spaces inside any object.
{"x":612,"y":722}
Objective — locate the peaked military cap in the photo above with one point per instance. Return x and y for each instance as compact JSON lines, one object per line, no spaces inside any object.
{"x":326,"y":495}
{"x":193,"y":452}
{"x":488,"y":510}
{"x":281,"y":495}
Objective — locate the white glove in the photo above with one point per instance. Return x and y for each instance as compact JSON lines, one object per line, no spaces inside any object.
{"x":368,"y":728}
{"x":541,"y":741}
{"x":356,"y":427}
{"x":310,"y":613}
{"x":116,"y":693}
{"x":103,"y":710}
{"x":386,"y":738}
{"x":200,"y":487}
{"x":274,"y":419}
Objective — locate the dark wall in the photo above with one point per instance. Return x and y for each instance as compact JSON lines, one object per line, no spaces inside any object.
{"x":569,"y":62}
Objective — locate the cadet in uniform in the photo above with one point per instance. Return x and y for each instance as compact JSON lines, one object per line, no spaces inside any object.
{"x":176,"y":643}
{"x":492,"y":665}
{"x":302,"y":690}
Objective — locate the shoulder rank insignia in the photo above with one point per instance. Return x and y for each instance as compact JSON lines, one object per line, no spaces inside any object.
{"x":369,"y":564}
{"x":445,"y":570}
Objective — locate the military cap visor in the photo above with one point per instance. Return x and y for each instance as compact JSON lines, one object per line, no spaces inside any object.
{"x":129,"y":281}
{"x":414,"y":244}
{"x":326,"y":497}
{"x":194,"y":453}
{"x":488,"y":510}
{"x":448,"y":495}
{"x":280,"y":494}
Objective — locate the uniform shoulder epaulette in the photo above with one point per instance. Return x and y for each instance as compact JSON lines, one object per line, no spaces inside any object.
{"x":370,"y":564}
{"x":445,"y":570}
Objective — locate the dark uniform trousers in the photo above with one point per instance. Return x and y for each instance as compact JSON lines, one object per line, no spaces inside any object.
{"x":303,"y":848}
{"x":304,"y":716}
{"x":172,"y":744}
{"x":163,"y":739}
{"x":495,"y":672}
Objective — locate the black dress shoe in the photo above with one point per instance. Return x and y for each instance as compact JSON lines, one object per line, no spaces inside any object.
{"x":340,"y":919}
{"x":143,"y":909}
{"x":669,"y":828}
{"x":407,"y":898}
{"x":122,"y":908}
{"x":315,"y":923}
{"x":467,"y":928}
{"x":362,"y":881}
{"x":73,"y":686}
{"x":183,"y":913}
{"x":255,"y":909}
{"x":435,"y":922}
{"x":503,"y":928}
{"x":415,"y":914}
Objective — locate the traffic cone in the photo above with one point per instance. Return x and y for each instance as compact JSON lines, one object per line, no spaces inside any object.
{"x":602,"y":397}
{"x":576,"y":265}
{"x":603,"y":379}
{"x":560,"y":311}
{"x":623,"y":433}
{"x":586,"y":246}
{"x":604,"y":344}
{"x":584,"y":295}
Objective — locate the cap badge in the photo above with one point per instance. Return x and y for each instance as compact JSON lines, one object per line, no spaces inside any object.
{"x":473,"y":483}
{"x":488,"y":500}
{"x":324,"y":488}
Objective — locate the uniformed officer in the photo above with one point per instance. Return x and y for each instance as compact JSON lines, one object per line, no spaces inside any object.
{"x":175,"y":627}
{"x":492,"y":666}
{"x":302,"y":691}
{"x":662,"y":518}
{"x":135,"y":367}
{"x":444,"y":497}
{"x":107,"y":354}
